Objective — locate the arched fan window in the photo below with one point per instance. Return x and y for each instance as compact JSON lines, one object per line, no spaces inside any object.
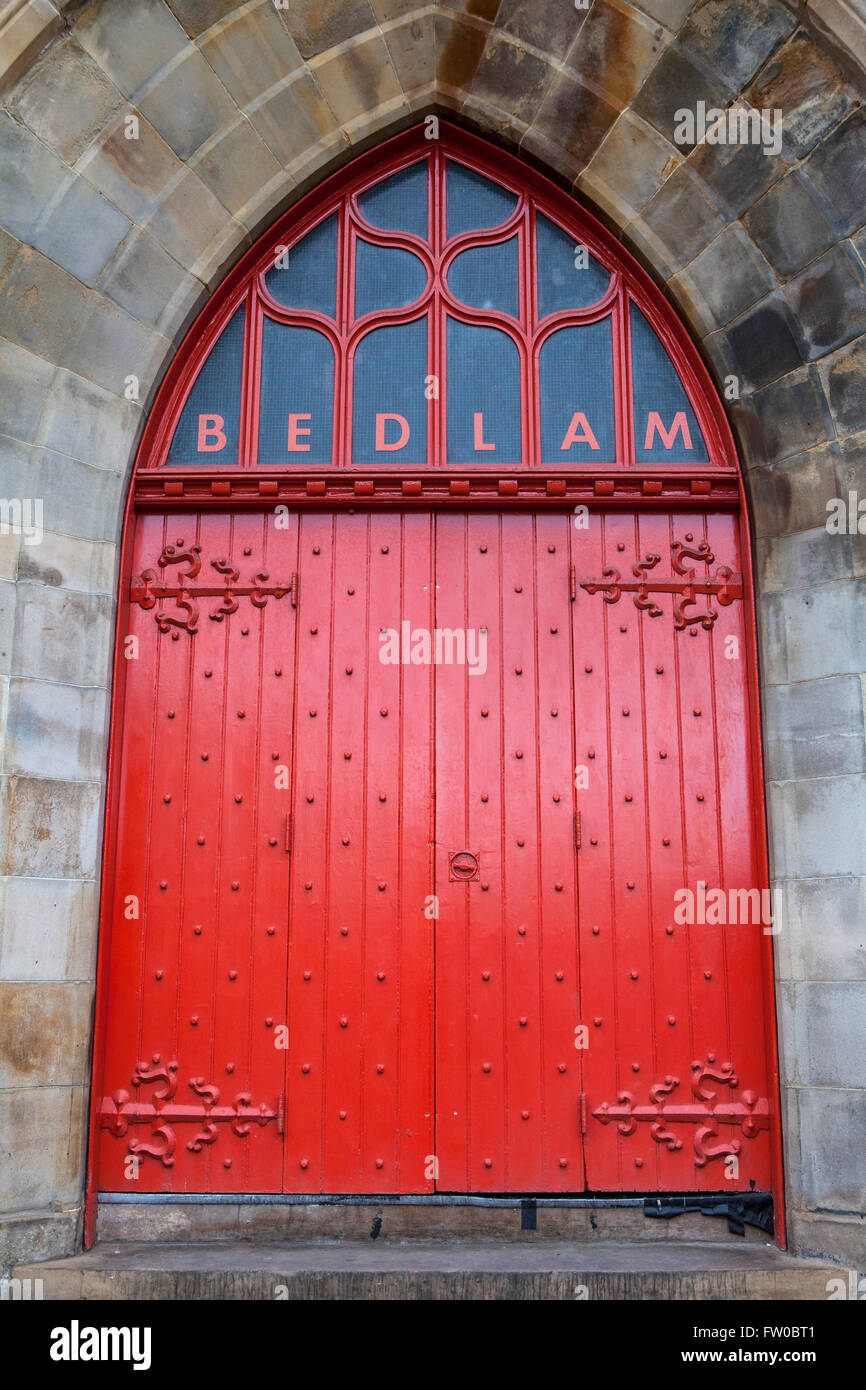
{"x":436,"y":308}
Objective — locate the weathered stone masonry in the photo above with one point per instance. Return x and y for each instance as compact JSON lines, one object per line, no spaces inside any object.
{"x":108,"y":248}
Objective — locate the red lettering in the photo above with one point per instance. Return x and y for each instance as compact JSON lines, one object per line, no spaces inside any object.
{"x":654,"y":422}
{"x":294,"y":445}
{"x":380,"y":432}
{"x":211,"y":426}
{"x":478,"y":420}
{"x":579,"y":432}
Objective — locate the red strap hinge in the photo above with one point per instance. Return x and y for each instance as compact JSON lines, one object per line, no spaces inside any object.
{"x":294,"y":598}
{"x":583,"y":1112}
{"x":572,"y":583}
{"x":281,"y":1113}
{"x":289,"y":826}
{"x":577,"y":830}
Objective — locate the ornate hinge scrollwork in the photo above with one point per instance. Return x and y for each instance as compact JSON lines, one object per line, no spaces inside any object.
{"x":750,"y":1113}
{"x":684,"y":585}
{"x":146,"y":589}
{"x":161,"y":1111}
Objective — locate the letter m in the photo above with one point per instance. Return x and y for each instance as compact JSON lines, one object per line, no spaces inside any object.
{"x":654,"y":422}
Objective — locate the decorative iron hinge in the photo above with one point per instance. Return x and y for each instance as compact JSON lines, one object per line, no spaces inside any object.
{"x":294,"y":590}
{"x":289,"y":828}
{"x":146,"y":589}
{"x":582,"y":1099}
{"x":572,"y":583}
{"x":577,"y":830}
{"x":724,"y":586}
{"x":281,"y":1113}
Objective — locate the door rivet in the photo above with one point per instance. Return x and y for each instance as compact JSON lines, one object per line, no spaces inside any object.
{"x":308,"y":974}
{"x":380,"y":1068}
{"x":628,"y":796}
{"x":310,"y":798}
{"x":345,"y":840}
{"x":382,"y":887}
{"x":269,"y":1022}
{"x":384,"y":713}
{"x":158,"y":975}
{"x":201,"y":839}
{"x":484,"y":796}
{"x":588,"y":670}
{"x":270,"y":930}
{"x":560,"y":975}
{"x":519,"y":753}
{"x":671,"y":1021}
{"x":167,"y":797}
{"x":634,"y":974}
{"x":380,"y":1163}
{"x":524,"y":1114}
{"x":563,"y":1163}
{"x":342,"y":1114}
{"x":596,"y":1023}
{"x":344,"y":931}
{"x":554,"y":713}
{"x":233,"y":974}
{"x":344,"y":1022}
{"x":666,"y":841}
{"x":380,"y":975}
{"x":523,"y":1020}
{"x":194,"y":1021}
{"x":484,"y":713}
{"x":488,"y":1163}
{"x":272,"y":840}
{"x":630,"y":883}
{"x":596,"y":930}
{"x":171,"y":714}
{"x":518,"y":670}
{"x":554,"y":630}
{"x":317,"y":549}
{"x":196,"y":931}
{"x":208,"y":672}
{"x":238,"y":799}
{"x":556,"y":796}
{"x":485,"y":974}
{"x":485,"y":1066}
{"x":304,"y":1163}
{"x":278,"y":670}
{"x":521,"y":843}
{"x":521,"y":930}
{"x":558,"y":887}
{"x":551,"y":549}
{"x":308,"y":887}
{"x":562,"y":1067}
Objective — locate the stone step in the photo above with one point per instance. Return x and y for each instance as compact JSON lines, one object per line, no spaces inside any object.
{"x":354,"y":1220}
{"x":473,"y":1269}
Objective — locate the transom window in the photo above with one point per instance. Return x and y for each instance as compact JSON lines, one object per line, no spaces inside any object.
{"x":437,"y":312}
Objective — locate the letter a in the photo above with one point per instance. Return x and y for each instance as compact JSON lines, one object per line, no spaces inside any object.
{"x":579,"y":432}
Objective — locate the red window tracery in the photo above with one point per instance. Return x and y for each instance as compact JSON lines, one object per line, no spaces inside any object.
{"x":438,"y":306}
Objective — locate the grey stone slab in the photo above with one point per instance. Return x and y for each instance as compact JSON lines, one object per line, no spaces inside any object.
{"x":818,"y":827}
{"x":616,"y":49}
{"x":65,"y":99}
{"x":30,"y":176}
{"x":109,"y":345}
{"x":317,"y":25}
{"x":47,"y":928}
{"x":134,"y":174}
{"x":44,"y":1034}
{"x":56,"y":730}
{"x":552,"y":29}
{"x":50,"y":1235}
{"x":511,"y":76}
{"x":197,"y":16}
{"x":26,"y":380}
{"x":835,"y":171}
{"x":188,"y":220}
{"x":736,"y":39}
{"x":825,"y":1020}
{"x":458,"y":48}
{"x":679,"y":81}
{"x":53,"y":828}
{"x":40,"y":305}
{"x":815,"y":729}
{"x":829,"y":301}
{"x":292,"y":118}
{"x":81,"y":230}
{"x":412,"y":50}
{"x":736,"y":175}
{"x":10,"y":247}
{"x":48,"y":619}
{"x":681,"y":218}
{"x":86,"y":422}
{"x":187,"y":103}
{"x":804,"y":81}
{"x":631,"y":162}
{"x":792,"y":495}
{"x":7,"y":629}
{"x":573,"y":116}
{"x":844,"y":378}
{"x":803,"y":559}
{"x":788,"y":225}
{"x":724,"y":280}
{"x":251,"y":52}
{"x":78,"y":499}
{"x":823,"y":933}
{"x":239,"y":169}
{"x":358,"y":79}
{"x":671,"y":13}
{"x":131,"y":42}
{"x":764,"y":343}
{"x":814,"y":633}
{"x":784,"y":419}
{"x":149,"y":283}
{"x":839,"y":1236}
{"x":44,"y":1169}
{"x":89,"y":566}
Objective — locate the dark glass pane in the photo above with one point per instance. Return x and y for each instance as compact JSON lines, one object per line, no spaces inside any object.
{"x":399,"y":203}
{"x":389,"y":381}
{"x":309,"y":280}
{"x":474,"y":202}
{"x":662,"y":413}
{"x":485,"y":277}
{"x":576,"y":388}
{"x":568,"y":277}
{"x":296,"y":418}
{"x":208,"y":429}
{"x":483,"y":395}
{"x":385,"y":278}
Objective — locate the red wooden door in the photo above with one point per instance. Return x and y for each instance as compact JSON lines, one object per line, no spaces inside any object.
{"x":507,"y":1073}
{"x":676,"y":1069}
{"x":196,"y":978}
{"x":360,"y":1063}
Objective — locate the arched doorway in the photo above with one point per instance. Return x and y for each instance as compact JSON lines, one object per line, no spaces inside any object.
{"x":435,"y":844}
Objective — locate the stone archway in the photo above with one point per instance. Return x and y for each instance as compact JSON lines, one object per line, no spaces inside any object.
{"x":109,"y":246}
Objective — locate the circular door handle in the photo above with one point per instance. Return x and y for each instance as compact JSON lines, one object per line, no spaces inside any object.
{"x":463,"y":865}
